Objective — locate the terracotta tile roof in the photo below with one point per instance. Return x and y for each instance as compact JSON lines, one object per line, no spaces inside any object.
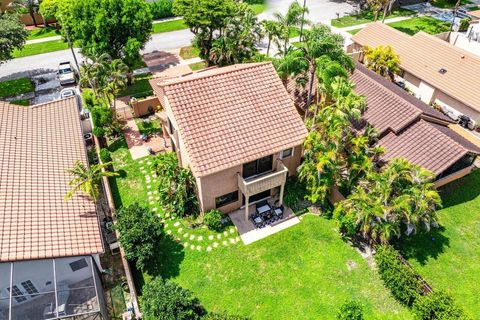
{"x":389,"y":106}
{"x":232,"y":115}
{"x":425,"y":145}
{"x":37,"y":145}
{"x":424,"y":55}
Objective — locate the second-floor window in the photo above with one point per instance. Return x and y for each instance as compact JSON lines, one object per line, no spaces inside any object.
{"x":258,"y":166}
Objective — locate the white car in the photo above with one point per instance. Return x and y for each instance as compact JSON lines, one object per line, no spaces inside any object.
{"x":68,"y":92}
{"x":66,"y":73}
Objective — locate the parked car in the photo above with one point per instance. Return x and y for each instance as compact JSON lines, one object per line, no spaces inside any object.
{"x":67,"y":92}
{"x":66,"y":73}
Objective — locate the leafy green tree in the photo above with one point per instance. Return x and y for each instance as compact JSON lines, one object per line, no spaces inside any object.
{"x":383,"y":60}
{"x":87,"y":179}
{"x":119,"y":28}
{"x":12,"y":36}
{"x":140,"y":233}
{"x":178,"y":188}
{"x":350,"y":310}
{"x":168,"y":301}
{"x":205,"y":18}
{"x":438,"y":305}
{"x":49,"y":8}
{"x":401,"y":198}
{"x":239,"y":38}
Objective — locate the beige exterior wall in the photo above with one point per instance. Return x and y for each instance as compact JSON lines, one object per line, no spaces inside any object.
{"x":223,"y":182}
{"x":141,"y":107}
{"x":457,"y":105}
{"x":454,"y":176}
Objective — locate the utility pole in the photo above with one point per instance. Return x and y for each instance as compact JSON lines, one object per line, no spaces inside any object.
{"x":303,"y":19}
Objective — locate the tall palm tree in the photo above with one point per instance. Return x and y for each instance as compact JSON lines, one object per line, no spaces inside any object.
{"x":291,"y":19}
{"x":272,"y":30}
{"x":117,"y":79}
{"x":291,"y":65}
{"x":87,"y":179}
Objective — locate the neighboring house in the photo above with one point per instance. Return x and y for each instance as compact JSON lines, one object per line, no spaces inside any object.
{"x":410,"y":129}
{"x":237,"y":129}
{"x":468,"y":40}
{"x":434,"y":70}
{"x":49,"y":247}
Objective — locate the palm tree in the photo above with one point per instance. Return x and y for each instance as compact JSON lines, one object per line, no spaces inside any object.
{"x":291,"y":65}
{"x":86,"y":179}
{"x":382,"y":60}
{"x":273,"y":31}
{"x":293,"y":18}
{"x":117,"y":79}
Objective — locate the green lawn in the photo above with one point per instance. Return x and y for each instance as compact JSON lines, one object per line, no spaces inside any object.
{"x":448,"y":3}
{"x":140,"y":87}
{"x":366,"y":17}
{"x":425,"y":24}
{"x":449,"y":258}
{"x":42,"y":47}
{"x":39,"y":33}
{"x":15,"y":87}
{"x":354,"y":31}
{"x":167,"y":26}
{"x":197,"y":66}
{"x":149,"y":127}
{"x":189,"y":52}
{"x":307,"y":268}
{"x":259,"y":7}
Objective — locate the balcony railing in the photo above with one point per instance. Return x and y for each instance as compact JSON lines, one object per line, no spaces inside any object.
{"x":264,"y":182}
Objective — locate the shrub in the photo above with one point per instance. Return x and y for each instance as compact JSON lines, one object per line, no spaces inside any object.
{"x":213,"y":220}
{"x":88,"y":98}
{"x":105,"y":156}
{"x":177,"y":189}
{"x":223,"y":316}
{"x":161,"y":9}
{"x":350,"y":310}
{"x":346,"y":223}
{"x":168,"y":301}
{"x":438,"y":305}
{"x":398,"y":277}
{"x":140,"y":233}
{"x":464,"y":24}
{"x":295,"y":192}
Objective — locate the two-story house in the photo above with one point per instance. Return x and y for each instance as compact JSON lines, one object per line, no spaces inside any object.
{"x":237,"y":129}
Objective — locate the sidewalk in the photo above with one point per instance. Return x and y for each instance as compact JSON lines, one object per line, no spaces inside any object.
{"x":43,"y":40}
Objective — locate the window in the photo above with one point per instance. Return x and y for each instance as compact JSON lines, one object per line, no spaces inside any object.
{"x":226,"y":199}
{"x":258,"y":166}
{"x":17,"y":294}
{"x":286,"y":153}
{"x":30,"y":288}
{"x":78,"y":264}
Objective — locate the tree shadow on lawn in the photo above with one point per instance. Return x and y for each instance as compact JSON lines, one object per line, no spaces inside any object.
{"x":166,"y":263}
{"x":424,"y":246}
{"x":461,"y":190}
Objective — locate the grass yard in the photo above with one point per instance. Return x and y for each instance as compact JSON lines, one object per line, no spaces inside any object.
{"x":259,"y":7}
{"x":15,"y":87}
{"x":42,"y":47}
{"x":189,"y":52}
{"x":167,"y":26}
{"x":197,"y":66}
{"x":366,"y":17}
{"x":307,"y":267}
{"x":39,"y":33}
{"x":449,"y":259}
{"x":140,"y":87}
{"x":425,"y":24}
{"x":355,"y":31}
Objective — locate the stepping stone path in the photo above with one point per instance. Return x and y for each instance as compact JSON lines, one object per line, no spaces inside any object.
{"x":177,"y":229}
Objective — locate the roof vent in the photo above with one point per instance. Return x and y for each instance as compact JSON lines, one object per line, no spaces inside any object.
{"x":442,"y":70}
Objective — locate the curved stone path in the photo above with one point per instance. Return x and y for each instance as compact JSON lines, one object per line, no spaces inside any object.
{"x":200,"y":239}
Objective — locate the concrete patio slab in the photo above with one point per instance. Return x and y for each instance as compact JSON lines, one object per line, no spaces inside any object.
{"x":248,"y":232}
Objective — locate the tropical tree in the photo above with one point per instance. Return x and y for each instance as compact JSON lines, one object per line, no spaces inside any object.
{"x":376,"y":6}
{"x":12,"y":35}
{"x":239,"y":37}
{"x":287,"y":22}
{"x":335,"y":154}
{"x":399,"y":199}
{"x":272,"y":30}
{"x":87,"y":179}
{"x":383,"y":60}
{"x":117,"y":79}
{"x":118,"y":28}
{"x":205,"y":18}
{"x":140,"y":234}
{"x":292,"y":65}
{"x":177,"y":188}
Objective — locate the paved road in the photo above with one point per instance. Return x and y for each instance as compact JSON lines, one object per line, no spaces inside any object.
{"x":320,"y":11}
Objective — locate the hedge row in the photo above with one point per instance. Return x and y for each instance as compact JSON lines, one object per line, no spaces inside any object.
{"x":405,"y":286}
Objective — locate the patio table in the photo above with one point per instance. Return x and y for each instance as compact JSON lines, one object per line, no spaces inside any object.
{"x":263,"y":209}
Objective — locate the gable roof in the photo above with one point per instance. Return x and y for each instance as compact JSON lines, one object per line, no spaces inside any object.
{"x":408,"y":127}
{"x":37,"y":145}
{"x":389,"y":107}
{"x":423,"y":55}
{"x":474,"y":13}
{"x":231,"y":115}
